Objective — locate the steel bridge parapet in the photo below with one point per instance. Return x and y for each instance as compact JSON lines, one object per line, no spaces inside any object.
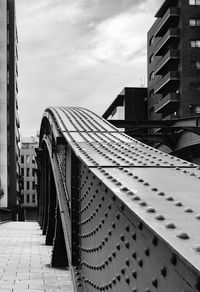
{"x":122,"y":215}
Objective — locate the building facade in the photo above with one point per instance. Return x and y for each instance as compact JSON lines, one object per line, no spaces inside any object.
{"x":9,"y":120}
{"x":174,"y":61}
{"x":28,"y":168}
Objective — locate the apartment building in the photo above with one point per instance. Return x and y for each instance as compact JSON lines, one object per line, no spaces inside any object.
{"x":174,"y":61}
{"x":9,"y":120}
{"x":28,"y":172}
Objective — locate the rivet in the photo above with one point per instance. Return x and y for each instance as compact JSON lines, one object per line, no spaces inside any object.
{"x":140,"y":262}
{"x":123,"y":271}
{"x":163,"y":271}
{"x":173,"y":260}
{"x":178,"y":204}
{"x":140,"y":226}
{"x":134,"y":274}
{"x":169,"y":199}
{"x":118,"y":246}
{"x":161,"y":194}
{"x":136,"y":198}
{"x":130,"y":193}
{"x":127,"y":280}
{"x":155,"y":241}
{"x":154,"y":189}
{"x":127,"y":244}
{"x":134,"y":236}
{"x":127,"y":262}
{"x":197,"y":216}
{"x":118,"y":277}
{"x":188,"y":210}
{"x":146,"y":184}
{"x":170,"y":225}
{"x":143,"y":204}
{"x":124,"y":189}
{"x":134,"y":255}
{"x":147,"y":252}
{"x":151,"y":210}
{"x":155,"y":282}
{"x":134,"y":289}
{"x":160,"y":217}
{"x":122,"y":237}
{"x":183,"y":235}
{"x":122,"y":207}
{"x":197,"y":248}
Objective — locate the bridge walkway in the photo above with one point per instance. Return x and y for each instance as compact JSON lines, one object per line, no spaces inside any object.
{"x":24,"y":261}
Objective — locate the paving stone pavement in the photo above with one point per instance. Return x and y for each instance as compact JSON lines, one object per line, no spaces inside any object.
{"x":25,"y":259}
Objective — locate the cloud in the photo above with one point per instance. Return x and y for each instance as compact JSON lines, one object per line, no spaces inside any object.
{"x":79,"y":52}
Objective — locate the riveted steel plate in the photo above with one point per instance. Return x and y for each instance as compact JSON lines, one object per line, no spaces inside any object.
{"x":167,"y":200}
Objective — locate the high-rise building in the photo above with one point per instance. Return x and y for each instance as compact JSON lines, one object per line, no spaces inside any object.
{"x":174,"y":61}
{"x":28,"y":168}
{"x":9,"y":120}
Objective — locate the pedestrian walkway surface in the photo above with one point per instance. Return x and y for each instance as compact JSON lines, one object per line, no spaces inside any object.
{"x":25,"y":261}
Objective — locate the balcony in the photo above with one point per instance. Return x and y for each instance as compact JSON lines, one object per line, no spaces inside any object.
{"x":169,"y":80}
{"x":169,"y":40}
{"x":169,"y":103}
{"x":168,"y":20}
{"x":164,"y":7}
{"x":168,"y":61}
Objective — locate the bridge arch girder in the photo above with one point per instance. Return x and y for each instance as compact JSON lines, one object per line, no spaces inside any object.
{"x":116,"y":197}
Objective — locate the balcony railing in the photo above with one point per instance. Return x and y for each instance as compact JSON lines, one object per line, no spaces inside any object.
{"x":171,"y":55}
{"x":170,"y":76}
{"x":171,"y":34}
{"x":169,"y":102}
{"x":166,"y":20}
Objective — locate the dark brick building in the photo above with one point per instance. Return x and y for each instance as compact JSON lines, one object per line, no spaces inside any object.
{"x":174,"y":61}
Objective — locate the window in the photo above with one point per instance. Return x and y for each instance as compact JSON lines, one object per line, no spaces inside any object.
{"x":33,"y":159}
{"x":197,"y":109}
{"x":33,"y":185}
{"x":195,"y":43}
{"x":33,"y":199}
{"x":195,"y":65}
{"x":28,"y":198}
{"x":27,"y":159}
{"x":27,"y":171}
{"x":22,"y":199}
{"x":194,"y":22}
{"x":194,"y":2}
{"x":22,"y":158}
{"x":195,"y":86}
{"x":27,"y":185}
{"x":22,"y":171}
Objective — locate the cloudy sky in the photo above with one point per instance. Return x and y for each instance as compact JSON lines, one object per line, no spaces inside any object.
{"x":79,"y":53}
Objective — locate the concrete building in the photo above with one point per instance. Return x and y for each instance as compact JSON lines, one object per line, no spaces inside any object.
{"x":174,"y":61}
{"x":9,"y":120}
{"x":28,"y":172}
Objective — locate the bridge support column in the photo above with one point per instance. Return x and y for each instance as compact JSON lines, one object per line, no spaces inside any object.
{"x":59,"y":254}
{"x":45,"y":195}
{"x":51,"y":208}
